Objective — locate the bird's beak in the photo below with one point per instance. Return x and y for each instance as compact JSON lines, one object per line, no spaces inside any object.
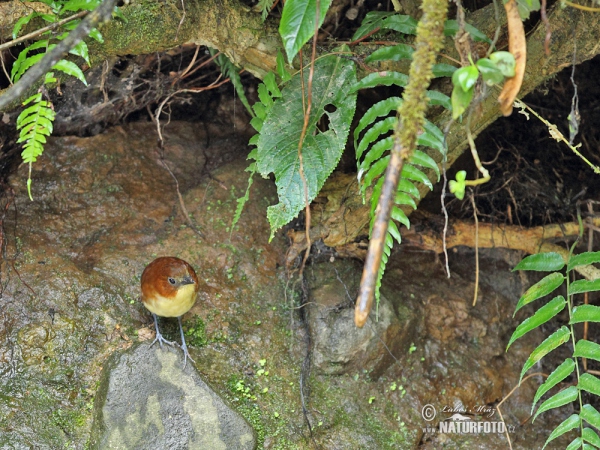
{"x":187,"y":280}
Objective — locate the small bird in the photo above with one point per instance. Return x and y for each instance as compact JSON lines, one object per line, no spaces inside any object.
{"x":169,"y":289}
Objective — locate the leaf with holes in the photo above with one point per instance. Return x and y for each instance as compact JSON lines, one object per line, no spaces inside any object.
{"x":277,"y":149}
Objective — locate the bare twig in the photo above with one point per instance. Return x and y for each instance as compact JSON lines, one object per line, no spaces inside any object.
{"x":92,"y":20}
{"x":35,"y":33}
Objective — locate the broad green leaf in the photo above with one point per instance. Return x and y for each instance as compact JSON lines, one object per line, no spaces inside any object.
{"x":70,"y":68}
{"x":379,"y":109}
{"x":378,"y":130}
{"x":401,"y":23}
{"x":583,"y":259}
{"x":553,"y":341}
{"x":587,"y":349}
{"x":385,"y":78}
{"x":505,"y":62}
{"x":585,"y":313}
{"x":437,"y":98}
{"x":443,"y":70}
{"x":580,"y":286}
{"x":565,"y":396}
{"x":465,"y":77}
{"x":575,"y":444}
{"x":460,"y":101}
{"x":541,"y":316}
{"x":589,"y":383}
{"x":567,"y":425}
{"x":297,"y":24}
{"x":391,"y":53}
{"x":490,"y":72}
{"x":412,"y":173}
{"x":543,"y":287}
{"x":558,"y":375}
{"x":451,"y":28}
{"x":321,"y":151}
{"x":590,"y":415}
{"x":543,"y":262}
{"x":590,"y":436}
{"x":372,"y":20}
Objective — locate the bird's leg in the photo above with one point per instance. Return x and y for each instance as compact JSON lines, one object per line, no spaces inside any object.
{"x":183,"y":346}
{"x":159,"y":336}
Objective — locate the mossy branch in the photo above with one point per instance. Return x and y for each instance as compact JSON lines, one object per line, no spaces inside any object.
{"x":430,"y":39}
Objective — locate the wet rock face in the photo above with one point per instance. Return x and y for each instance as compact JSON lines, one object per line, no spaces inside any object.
{"x":339,"y":346}
{"x":148,"y":400}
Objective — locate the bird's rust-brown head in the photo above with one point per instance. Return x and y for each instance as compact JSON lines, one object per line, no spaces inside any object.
{"x":169,"y":286}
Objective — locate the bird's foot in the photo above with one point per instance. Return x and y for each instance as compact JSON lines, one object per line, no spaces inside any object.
{"x":186,"y":355}
{"x":159,"y":337}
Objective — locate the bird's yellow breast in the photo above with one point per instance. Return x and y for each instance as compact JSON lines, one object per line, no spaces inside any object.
{"x":176,"y":306}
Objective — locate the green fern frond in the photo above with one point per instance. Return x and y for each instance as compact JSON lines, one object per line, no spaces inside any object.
{"x":35,"y":124}
{"x":233,"y":73}
{"x":264,"y":7}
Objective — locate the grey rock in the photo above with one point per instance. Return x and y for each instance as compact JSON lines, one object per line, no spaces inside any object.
{"x":147,"y":400}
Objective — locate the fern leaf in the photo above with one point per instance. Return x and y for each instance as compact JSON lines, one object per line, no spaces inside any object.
{"x":379,"y":109}
{"x":379,"y":128}
{"x":387,"y":78}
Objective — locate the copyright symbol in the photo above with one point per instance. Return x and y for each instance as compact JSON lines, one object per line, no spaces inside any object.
{"x":428,"y":412}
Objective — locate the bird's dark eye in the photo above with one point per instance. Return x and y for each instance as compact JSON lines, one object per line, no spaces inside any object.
{"x":172,"y":281}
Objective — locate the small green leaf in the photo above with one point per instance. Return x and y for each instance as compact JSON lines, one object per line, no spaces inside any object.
{"x":412,"y":173}
{"x":556,"y":401}
{"x":567,"y":425}
{"x":587,"y":349}
{"x":460,"y":101}
{"x":282,"y":70}
{"x":297,"y":24}
{"x":451,"y":28}
{"x":22,"y":21}
{"x":271,"y":84}
{"x":465,"y":77}
{"x":81,"y":49}
{"x":505,"y":62}
{"x":590,"y":415}
{"x":422,"y":159}
{"x":97,"y":36}
{"x":540,"y":289}
{"x":379,"y":109}
{"x":78,"y":5}
{"x":457,"y":187}
{"x":589,"y":383}
{"x":399,"y":216}
{"x":580,"y":286}
{"x":583,"y":259}
{"x":374,"y":133}
{"x":443,"y":70}
{"x":385,"y":78}
{"x":394,"y":232}
{"x":575,"y":444}
{"x":437,"y":98}
{"x":402,"y":198}
{"x":590,"y":436}
{"x":558,"y":375}
{"x":490,"y":72}
{"x":400,"y":23}
{"x":372,"y":20}
{"x":391,"y":53}
{"x":542,"y":315}
{"x":407,"y":186}
{"x":542,"y":262}
{"x":585,"y":313}
{"x":70,"y":68}
{"x":553,"y":341}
